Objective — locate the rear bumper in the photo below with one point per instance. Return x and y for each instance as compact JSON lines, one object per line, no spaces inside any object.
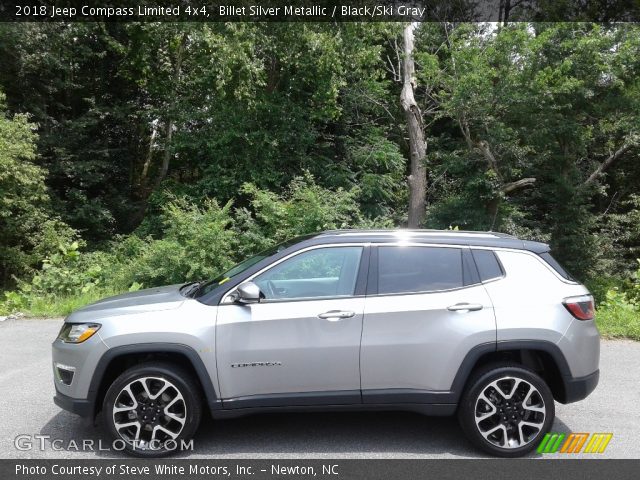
{"x":578,"y":388}
{"x":79,"y":406}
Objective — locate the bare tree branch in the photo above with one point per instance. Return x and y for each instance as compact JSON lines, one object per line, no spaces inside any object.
{"x":517,"y":185}
{"x":484,"y":148}
{"x":608,"y":162}
{"x":376,"y":102}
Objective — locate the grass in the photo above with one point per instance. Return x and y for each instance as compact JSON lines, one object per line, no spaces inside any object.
{"x":56,"y":306}
{"x":619,"y":321}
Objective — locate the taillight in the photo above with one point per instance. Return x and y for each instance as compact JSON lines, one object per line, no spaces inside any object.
{"x":580,"y":307}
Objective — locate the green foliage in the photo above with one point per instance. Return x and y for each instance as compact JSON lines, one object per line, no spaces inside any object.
{"x":132,"y":139}
{"x":67,"y":77}
{"x":620,"y":237}
{"x":619,"y":314}
{"x":194,"y":242}
{"x":599,"y":286}
{"x":51,"y":306}
{"x":618,"y":317}
{"x":25,"y":222}
{"x":545,"y":101}
{"x":64,"y":274}
{"x":304,"y":208}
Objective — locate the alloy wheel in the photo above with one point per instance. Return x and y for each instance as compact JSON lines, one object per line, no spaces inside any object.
{"x":148,"y":412}
{"x":510,"y":412}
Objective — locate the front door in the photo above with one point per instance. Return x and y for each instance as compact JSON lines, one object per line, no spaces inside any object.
{"x":301,"y":343}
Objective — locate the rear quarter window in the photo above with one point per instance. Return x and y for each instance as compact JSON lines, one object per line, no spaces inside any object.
{"x":488,"y":265}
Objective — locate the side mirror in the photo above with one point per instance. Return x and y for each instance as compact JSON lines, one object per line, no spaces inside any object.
{"x":248,"y":292}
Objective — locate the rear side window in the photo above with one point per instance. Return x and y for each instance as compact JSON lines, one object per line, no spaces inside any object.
{"x":488,"y":265}
{"x":546,"y":256}
{"x":418,"y":269}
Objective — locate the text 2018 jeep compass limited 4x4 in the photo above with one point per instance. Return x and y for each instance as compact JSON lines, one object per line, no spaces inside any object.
{"x":439,"y":322}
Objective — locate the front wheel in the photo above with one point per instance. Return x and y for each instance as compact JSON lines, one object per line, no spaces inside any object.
{"x":506,"y":410}
{"x":152,"y":409}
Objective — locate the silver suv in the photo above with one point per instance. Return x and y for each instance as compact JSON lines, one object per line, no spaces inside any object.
{"x":482,"y":325}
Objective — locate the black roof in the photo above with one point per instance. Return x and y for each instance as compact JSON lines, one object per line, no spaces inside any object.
{"x":450,"y":237}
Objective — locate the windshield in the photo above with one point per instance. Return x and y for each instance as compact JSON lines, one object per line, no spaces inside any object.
{"x":223,"y":278}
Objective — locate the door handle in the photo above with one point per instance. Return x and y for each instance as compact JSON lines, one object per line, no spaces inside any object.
{"x":465,"y":307}
{"x":334,"y":315}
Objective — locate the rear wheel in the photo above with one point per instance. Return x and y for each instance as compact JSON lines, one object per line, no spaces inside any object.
{"x":152,"y":408}
{"x":506,"y":410}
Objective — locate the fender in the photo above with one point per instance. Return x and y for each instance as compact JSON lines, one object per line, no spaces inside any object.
{"x":212,"y":399}
{"x":472,"y":357}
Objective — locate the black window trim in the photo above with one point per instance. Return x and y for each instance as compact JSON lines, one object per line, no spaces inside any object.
{"x":535,"y":255}
{"x":557,"y":267}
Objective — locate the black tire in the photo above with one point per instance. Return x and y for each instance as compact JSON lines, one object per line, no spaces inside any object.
{"x":504,"y":408}
{"x":186,"y":408}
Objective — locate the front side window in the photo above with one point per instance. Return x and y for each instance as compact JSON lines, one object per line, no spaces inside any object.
{"x":211,"y":285}
{"x":407,"y":269}
{"x":322,"y":272}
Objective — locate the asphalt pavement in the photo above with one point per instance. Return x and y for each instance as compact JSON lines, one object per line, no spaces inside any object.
{"x":29,"y":414}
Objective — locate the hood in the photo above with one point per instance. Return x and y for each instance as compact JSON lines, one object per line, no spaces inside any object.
{"x":148,"y":300}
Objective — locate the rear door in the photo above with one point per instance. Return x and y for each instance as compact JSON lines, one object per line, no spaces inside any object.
{"x":424,"y":311}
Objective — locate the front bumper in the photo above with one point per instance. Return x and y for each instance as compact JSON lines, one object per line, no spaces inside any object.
{"x":79,"y":406}
{"x":576,"y":389}
{"x":73,"y":393}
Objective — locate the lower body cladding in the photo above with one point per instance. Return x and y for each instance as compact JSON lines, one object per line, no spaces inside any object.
{"x":349,"y":400}
{"x":354,"y":400}
{"x":576,"y":389}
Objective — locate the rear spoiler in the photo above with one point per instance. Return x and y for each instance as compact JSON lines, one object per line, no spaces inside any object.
{"x":535,"y":247}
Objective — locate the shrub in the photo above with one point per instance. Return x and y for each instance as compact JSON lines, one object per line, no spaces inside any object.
{"x":304,"y":208}
{"x":619,"y":314}
{"x":64,"y":274}
{"x":191,"y":242}
{"x":197,"y":243}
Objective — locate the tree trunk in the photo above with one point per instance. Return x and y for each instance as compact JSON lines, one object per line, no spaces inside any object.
{"x":151,"y":174}
{"x":417,"y":145}
{"x":177,"y":73}
{"x":166,"y":157}
{"x":149,"y":159}
{"x":506,"y":10}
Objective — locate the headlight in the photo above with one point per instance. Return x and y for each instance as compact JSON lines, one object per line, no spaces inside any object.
{"x":77,"y":332}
